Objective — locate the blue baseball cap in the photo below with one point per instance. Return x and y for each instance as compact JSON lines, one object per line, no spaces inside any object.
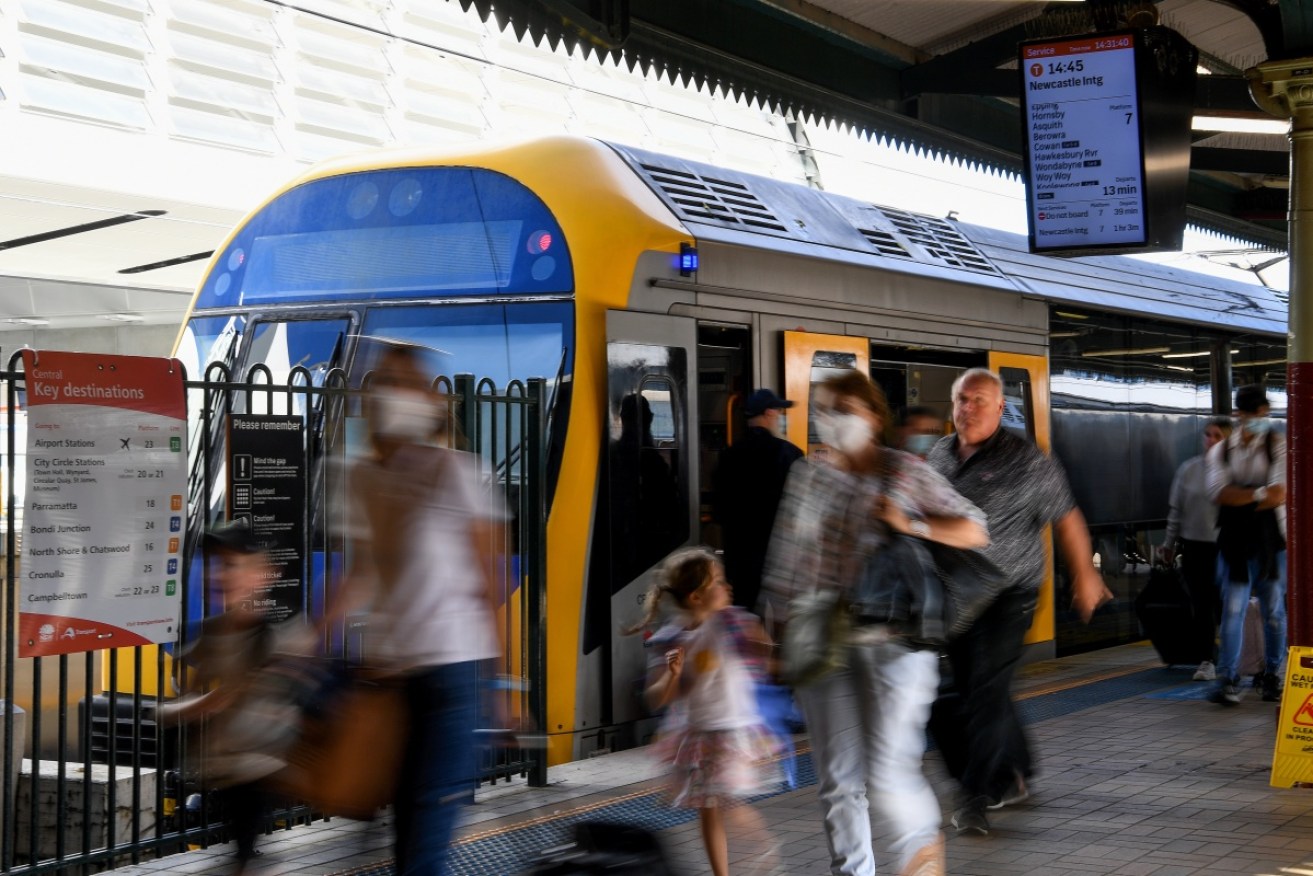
{"x":762,"y":401}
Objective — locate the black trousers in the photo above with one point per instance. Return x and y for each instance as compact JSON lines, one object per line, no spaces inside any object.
{"x":984,"y":661}
{"x":244,"y":811}
{"x":1199,"y":568}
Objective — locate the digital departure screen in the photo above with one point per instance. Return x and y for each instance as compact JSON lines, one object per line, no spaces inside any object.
{"x":1082,"y":120}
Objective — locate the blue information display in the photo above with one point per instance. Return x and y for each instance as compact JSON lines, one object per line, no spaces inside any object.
{"x":1106,"y":122}
{"x":1082,"y":114}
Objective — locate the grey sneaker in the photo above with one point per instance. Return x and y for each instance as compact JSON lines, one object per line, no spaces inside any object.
{"x":1206,"y":671}
{"x":971,"y":817}
{"x":1226,"y":694}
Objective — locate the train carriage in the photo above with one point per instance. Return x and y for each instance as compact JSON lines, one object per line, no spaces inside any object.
{"x":654,"y":293}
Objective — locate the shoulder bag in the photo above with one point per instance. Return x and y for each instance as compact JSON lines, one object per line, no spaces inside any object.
{"x":929,"y":592}
{"x":815,"y":637}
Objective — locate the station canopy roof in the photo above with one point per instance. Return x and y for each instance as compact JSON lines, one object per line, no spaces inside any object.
{"x":941,"y":75}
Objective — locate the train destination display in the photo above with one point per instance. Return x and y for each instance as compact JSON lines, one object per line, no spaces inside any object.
{"x":103,"y":515}
{"x":1083,"y":134}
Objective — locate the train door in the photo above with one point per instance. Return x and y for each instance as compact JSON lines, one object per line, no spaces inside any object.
{"x":809,"y":358}
{"x":1026,"y":412}
{"x":651,"y":471}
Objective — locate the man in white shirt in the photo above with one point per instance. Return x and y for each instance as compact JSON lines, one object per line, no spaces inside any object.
{"x":1247,"y":480}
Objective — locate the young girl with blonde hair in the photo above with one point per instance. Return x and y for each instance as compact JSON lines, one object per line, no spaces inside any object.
{"x":701,"y":671}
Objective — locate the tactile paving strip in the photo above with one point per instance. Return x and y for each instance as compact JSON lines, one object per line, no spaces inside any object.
{"x":514,"y":849}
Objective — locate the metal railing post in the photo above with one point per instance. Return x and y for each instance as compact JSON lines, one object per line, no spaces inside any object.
{"x":535,"y":570}
{"x":468,"y":415}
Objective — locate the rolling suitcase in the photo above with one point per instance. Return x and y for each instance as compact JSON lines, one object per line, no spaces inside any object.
{"x":1166,"y":616}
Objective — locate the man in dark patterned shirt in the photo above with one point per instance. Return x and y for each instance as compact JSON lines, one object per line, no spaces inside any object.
{"x":1021,"y":490}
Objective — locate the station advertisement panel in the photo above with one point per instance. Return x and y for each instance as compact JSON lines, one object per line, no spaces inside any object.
{"x":103,"y":514}
{"x":1106,"y":121}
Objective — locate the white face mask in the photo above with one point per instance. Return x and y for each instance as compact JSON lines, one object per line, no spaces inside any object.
{"x":847,"y":433}
{"x":408,"y":416}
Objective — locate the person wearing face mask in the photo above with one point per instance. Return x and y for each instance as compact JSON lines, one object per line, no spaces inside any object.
{"x":922,"y":427}
{"x":746,"y":490}
{"x":867,"y":720}
{"x":1192,"y":526}
{"x":423,"y":532}
{"x":1247,"y":481}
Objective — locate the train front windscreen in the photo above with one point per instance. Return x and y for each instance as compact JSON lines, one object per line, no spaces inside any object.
{"x":389,"y":234}
{"x":414,"y":254}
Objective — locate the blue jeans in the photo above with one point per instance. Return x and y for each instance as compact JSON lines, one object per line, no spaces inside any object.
{"x":867,"y":728}
{"x":1271,"y":593}
{"x":439,"y":769}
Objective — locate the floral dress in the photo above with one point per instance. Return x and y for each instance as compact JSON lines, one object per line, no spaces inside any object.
{"x":712,"y":736}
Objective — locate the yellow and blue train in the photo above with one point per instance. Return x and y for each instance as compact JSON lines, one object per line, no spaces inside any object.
{"x":655,"y":293}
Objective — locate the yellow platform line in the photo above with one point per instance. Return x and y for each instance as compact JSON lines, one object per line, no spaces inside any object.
{"x":1080,"y":681}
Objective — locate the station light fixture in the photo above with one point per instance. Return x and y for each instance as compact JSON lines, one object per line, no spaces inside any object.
{"x":1192,"y":355}
{"x":1139,"y":351}
{"x":29,"y":320}
{"x":1240,"y":125}
{"x":123,"y":317}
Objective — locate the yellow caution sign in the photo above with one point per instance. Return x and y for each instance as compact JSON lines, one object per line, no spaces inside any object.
{"x":1292,"y":760}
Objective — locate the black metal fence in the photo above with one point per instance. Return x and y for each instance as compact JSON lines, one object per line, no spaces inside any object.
{"x":93,"y":777}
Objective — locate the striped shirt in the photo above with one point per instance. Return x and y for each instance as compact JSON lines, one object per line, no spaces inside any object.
{"x":1019,"y":488}
{"x":826,"y":529}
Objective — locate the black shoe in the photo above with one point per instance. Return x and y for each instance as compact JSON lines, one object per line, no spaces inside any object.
{"x":1271,"y":688}
{"x":1016,"y":793}
{"x":971,"y":817}
{"x":1226,"y":694}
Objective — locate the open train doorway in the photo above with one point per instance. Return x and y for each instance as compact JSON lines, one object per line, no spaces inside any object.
{"x":919,"y":380}
{"x":724,"y":383}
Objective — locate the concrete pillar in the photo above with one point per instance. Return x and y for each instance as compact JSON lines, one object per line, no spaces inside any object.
{"x":1285,"y":89}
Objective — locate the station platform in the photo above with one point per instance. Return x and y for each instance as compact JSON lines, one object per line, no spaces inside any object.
{"x":1138,"y":775}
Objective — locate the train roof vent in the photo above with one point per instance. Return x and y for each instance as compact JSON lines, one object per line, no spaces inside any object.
{"x":939,"y":239}
{"x":885,"y":243}
{"x":705,"y":198}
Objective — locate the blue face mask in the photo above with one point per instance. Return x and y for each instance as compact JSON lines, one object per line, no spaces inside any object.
{"x":920,"y":444}
{"x":1258,"y":426}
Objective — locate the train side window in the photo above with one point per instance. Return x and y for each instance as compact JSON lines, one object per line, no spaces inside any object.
{"x":825,"y":364}
{"x":281,"y":345}
{"x":1018,"y":403}
{"x":657,"y":394}
{"x":648,"y":459}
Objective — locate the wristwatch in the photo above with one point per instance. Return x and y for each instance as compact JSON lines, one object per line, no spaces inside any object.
{"x":919,"y":528}
{"x":1260,"y":493}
